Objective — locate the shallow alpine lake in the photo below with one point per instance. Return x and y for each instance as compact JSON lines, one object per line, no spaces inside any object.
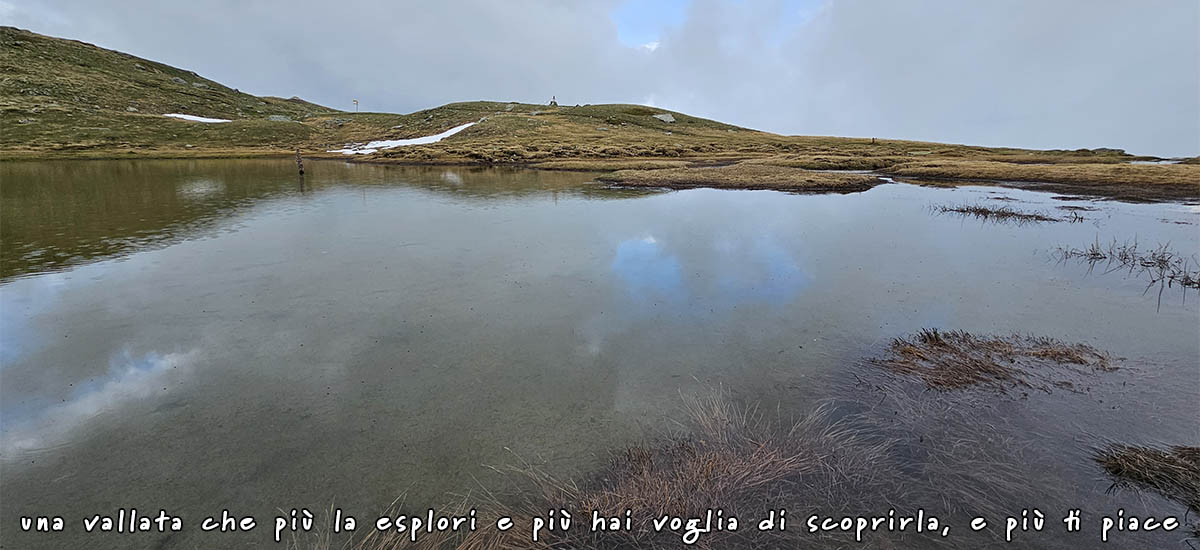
{"x":200,"y":335}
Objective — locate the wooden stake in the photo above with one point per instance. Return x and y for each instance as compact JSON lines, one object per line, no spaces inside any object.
{"x":299,"y":163}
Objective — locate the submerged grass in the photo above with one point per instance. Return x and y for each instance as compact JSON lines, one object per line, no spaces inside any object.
{"x":731,"y":458}
{"x":746,"y":462}
{"x":958,"y":359}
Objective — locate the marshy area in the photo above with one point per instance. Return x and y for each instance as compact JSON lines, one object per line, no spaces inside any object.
{"x":224,"y":334}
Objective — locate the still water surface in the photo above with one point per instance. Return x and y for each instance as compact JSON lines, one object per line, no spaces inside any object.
{"x":202,"y":335}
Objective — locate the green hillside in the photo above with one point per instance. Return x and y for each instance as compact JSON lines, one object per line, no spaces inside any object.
{"x":66,"y":97}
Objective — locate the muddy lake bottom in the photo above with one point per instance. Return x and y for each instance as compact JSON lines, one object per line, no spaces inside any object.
{"x":196,"y":336}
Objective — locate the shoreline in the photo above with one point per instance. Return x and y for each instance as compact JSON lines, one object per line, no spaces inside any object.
{"x":681,"y":172}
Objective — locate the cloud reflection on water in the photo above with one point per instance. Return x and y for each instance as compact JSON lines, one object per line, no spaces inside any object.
{"x":729,"y":272}
{"x":131,"y":377}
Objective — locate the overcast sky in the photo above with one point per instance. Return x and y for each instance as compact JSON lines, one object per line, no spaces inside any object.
{"x":1029,"y":73}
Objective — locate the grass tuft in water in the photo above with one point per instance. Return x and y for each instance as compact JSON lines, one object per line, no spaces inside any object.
{"x":948,"y":360}
{"x":1003,"y":214}
{"x":1173,"y":472}
{"x":1161,"y":266}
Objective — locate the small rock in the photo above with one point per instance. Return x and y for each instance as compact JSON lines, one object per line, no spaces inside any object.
{"x":139,"y":67}
{"x":509,"y":107}
{"x":131,"y":109}
{"x":397,"y":127}
{"x":279,"y":118}
{"x":178,"y":80}
{"x":199,"y":85}
{"x":24,"y":121}
{"x":665,"y":117}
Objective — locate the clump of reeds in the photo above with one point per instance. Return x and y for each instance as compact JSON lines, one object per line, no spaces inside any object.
{"x":1002,"y":214}
{"x":1173,"y":472}
{"x":1161,"y":265}
{"x":958,"y":359}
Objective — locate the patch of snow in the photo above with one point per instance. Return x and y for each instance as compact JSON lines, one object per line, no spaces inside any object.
{"x":195,"y":118}
{"x":366,"y":149}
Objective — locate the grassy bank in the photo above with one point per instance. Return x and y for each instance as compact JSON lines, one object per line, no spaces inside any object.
{"x":1119,"y":180}
{"x":744,"y":176}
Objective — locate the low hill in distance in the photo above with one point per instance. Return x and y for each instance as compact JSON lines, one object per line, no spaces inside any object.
{"x":62,"y":98}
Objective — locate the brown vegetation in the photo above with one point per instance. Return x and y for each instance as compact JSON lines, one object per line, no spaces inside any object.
{"x":608,"y":165}
{"x":1173,"y":472}
{"x":1002,"y":214}
{"x":1118,"y":180}
{"x":733,"y":458}
{"x":746,"y":463}
{"x":958,"y":359}
{"x":1160,"y":266}
{"x":1090,"y":173}
{"x":744,"y":176}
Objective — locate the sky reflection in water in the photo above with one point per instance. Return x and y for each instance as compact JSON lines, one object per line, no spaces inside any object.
{"x":432,"y":320}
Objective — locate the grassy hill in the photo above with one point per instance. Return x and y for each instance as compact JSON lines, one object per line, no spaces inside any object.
{"x":67,"y":99}
{"x":64,"y":98}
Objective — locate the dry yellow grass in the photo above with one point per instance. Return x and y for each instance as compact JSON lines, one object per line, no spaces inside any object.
{"x":1090,"y":173}
{"x":1173,"y":473}
{"x":957,"y":359}
{"x":608,"y":165}
{"x":744,"y":176}
{"x":832,"y":162}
